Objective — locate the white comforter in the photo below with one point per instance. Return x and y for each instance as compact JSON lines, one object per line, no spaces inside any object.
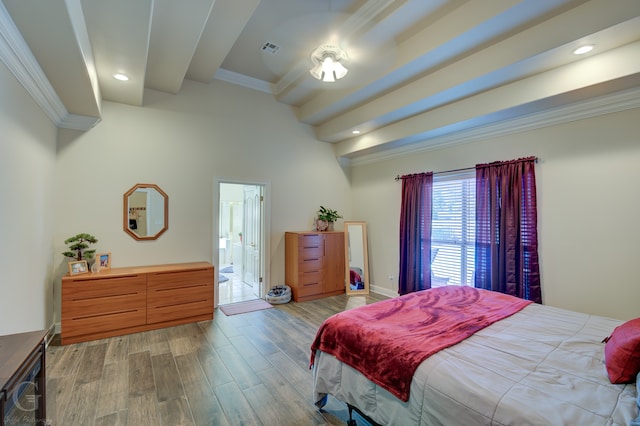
{"x":541,"y":366}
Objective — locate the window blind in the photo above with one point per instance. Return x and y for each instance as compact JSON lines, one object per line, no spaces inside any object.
{"x":453,"y":228}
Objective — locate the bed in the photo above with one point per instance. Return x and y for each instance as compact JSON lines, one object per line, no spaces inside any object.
{"x":533,"y":365}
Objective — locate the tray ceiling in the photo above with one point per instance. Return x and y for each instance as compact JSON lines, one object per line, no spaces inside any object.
{"x":418,"y":71}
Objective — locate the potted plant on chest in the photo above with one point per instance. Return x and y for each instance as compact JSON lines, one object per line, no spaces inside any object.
{"x":325,"y":219}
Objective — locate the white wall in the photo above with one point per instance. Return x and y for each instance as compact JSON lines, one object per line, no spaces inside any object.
{"x":182,"y":143}
{"x":588,"y":208}
{"x":27,"y":161}
{"x":587,"y":187}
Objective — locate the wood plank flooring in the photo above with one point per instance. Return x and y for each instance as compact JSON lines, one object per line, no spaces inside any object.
{"x":248,"y":369}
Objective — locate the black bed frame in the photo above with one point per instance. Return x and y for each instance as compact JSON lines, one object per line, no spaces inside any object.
{"x":352,"y":422}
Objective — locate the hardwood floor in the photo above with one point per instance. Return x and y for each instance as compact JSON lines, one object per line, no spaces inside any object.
{"x":248,"y":369}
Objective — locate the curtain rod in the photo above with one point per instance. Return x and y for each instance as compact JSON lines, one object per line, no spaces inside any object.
{"x":519,"y":160}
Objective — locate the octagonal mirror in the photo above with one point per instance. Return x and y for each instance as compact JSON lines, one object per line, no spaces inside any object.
{"x":146,"y":211}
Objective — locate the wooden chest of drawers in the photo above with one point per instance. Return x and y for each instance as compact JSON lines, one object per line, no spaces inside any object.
{"x":314,"y":264}
{"x":129,"y":300}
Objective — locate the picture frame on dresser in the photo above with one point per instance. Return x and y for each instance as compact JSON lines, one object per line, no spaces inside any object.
{"x":78,"y":267}
{"x":104,"y":260}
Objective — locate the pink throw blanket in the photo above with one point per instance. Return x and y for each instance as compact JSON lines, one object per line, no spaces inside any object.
{"x":387,"y":340}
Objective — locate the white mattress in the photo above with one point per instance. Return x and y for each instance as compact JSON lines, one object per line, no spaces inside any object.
{"x":541,"y":366}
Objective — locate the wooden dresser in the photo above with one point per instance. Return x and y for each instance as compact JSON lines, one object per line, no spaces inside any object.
{"x":314,"y":264}
{"x":119,"y":301}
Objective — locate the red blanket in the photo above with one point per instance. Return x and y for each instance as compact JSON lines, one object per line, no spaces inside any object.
{"x":386,"y":341}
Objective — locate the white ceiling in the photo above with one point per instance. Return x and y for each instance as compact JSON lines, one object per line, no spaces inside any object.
{"x":418,"y":70}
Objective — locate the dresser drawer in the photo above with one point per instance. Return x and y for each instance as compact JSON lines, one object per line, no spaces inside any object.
{"x":310,"y":253}
{"x":310,"y":288}
{"x":115,"y":320}
{"x":158,"y":281}
{"x":103,"y":295}
{"x":309,"y":246}
{"x":311,"y":277}
{"x":309,"y":265}
{"x":169,"y":304}
{"x":179,"y":294}
{"x":309,"y":241}
{"x":103,"y":304}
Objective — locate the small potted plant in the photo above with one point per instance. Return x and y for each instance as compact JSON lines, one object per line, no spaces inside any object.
{"x":78,"y":245}
{"x":326,"y":218}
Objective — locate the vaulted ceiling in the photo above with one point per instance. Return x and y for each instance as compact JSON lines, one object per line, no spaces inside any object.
{"x":419,"y":71}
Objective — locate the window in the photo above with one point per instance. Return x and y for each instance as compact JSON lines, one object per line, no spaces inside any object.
{"x":453,"y":229}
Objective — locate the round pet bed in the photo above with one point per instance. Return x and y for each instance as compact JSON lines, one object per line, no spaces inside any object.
{"x":279,"y":294}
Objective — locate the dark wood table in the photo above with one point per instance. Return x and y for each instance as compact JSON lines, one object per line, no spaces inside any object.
{"x":20,"y":355}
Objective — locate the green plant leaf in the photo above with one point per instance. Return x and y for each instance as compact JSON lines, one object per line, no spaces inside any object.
{"x":78,"y":245}
{"x":327,"y":214}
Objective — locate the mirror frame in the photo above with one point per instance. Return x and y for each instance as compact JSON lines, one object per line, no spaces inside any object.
{"x":125,"y":214}
{"x":365,"y":255}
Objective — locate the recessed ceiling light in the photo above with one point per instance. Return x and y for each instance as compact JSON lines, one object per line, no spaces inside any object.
{"x":355,"y":132}
{"x":120,"y":77}
{"x":583,"y":49}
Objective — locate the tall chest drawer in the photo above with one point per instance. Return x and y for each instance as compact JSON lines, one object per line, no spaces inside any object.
{"x":309,"y":283}
{"x":310,"y":265}
{"x":309,"y":247}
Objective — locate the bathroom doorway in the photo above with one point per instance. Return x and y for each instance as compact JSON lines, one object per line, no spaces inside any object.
{"x":241,"y":237}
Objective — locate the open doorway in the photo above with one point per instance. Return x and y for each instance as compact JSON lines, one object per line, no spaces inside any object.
{"x":241,"y":242}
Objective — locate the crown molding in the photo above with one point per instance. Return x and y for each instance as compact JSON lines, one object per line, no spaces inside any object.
{"x":607,"y":104}
{"x":18,"y":58}
{"x":243,"y":80}
{"x":356,"y":22}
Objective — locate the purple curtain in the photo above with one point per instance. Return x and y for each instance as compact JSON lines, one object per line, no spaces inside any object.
{"x":415,"y":233}
{"x":506,"y":229}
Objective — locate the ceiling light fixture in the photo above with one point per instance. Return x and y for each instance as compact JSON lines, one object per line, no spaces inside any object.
{"x":120,"y":77}
{"x":355,"y":132}
{"x":583,"y":49}
{"x":327,"y":63}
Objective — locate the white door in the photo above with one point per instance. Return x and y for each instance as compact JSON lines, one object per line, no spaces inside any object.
{"x":252,"y":238}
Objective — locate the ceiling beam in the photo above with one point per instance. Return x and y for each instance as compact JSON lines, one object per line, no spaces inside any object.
{"x":483,"y":69}
{"x":119,"y":32}
{"x":615,"y":70}
{"x":225,"y":24}
{"x":455,"y":33}
{"x":175,"y":34}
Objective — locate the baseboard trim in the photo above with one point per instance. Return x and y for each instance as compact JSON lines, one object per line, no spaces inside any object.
{"x":51,"y":332}
{"x":383,"y":291}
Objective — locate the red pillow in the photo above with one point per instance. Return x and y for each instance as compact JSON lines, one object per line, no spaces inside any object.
{"x":622,"y":352}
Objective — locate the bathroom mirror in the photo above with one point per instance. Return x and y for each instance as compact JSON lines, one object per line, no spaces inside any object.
{"x":146,"y":211}
{"x":355,"y":245}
